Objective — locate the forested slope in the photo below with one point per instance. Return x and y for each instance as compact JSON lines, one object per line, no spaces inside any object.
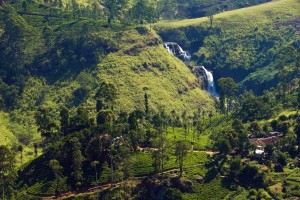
{"x":63,"y":61}
{"x":252,"y":45}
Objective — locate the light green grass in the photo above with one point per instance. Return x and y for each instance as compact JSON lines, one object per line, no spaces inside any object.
{"x":193,"y":163}
{"x":200,"y":140}
{"x":138,"y":68}
{"x":275,"y":10}
{"x":211,"y":190}
{"x":6,"y":136}
{"x":9,"y":132}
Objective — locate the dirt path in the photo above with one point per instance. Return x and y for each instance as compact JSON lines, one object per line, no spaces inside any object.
{"x":95,"y":189}
{"x":105,"y":186}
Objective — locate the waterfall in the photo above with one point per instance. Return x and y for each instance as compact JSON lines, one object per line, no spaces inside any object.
{"x":211,"y":88}
{"x":177,"y":51}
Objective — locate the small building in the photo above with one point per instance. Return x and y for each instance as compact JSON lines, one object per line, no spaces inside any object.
{"x":262,"y":142}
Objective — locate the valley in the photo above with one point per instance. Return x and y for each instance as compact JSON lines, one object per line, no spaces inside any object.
{"x":149,"y":99}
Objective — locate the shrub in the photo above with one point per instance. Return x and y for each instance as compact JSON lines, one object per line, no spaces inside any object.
{"x":283,"y":118}
{"x":173,"y":194}
{"x":24,"y":138}
{"x":142,"y":30}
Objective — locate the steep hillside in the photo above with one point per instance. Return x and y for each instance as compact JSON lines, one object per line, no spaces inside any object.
{"x":264,"y":32}
{"x":143,"y":65}
{"x":62,"y":63}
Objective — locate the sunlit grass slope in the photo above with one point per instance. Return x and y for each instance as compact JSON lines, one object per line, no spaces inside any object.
{"x":6,"y":136}
{"x":265,"y":13}
{"x":141,"y":67}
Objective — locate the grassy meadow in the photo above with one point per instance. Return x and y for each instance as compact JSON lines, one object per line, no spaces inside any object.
{"x":262,"y":14}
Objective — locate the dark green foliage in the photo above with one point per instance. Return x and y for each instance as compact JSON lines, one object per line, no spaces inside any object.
{"x":175,"y":35}
{"x":227,"y":86}
{"x":173,"y":194}
{"x":237,"y":125}
{"x":77,"y":160}
{"x":146,"y":104}
{"x":135,"y":118}
{"x":235,"y":168}
{"x":141,"y":11}
{"x":250,"y":176}
{"x":79,"y":121}
{"x":7,"y":174}
{"x":47,"y":127}
{"x":274,"y":124}
{"x":64,"y":120}
{"x":57,"y":170}
{"x":170,"y":9}
{"x":181,"y":148}
{"x":107,"y":94}
{"x":105,"y":118}
{"x":35,"y":146}
{"x":116,"y":8}
{"x":255,"y":108}
{"x":223,"y":146}
{"x":20,"y":149}
{"x":281,"y":159}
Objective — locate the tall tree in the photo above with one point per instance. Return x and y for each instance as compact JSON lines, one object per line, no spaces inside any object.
{"x":223,"y":146}
{"x":94,"y":165}
{"x":228,"y":88}
{"x":105,"y":118}
{"x":146,"y":104}
{"x":107,"y":93}
{"x":161,"y":143}
{"x":7,"y":175}
{"x":181,"y":149}
{"x":57,"y":170}
{"x":77,"y":160}
{"x":35,"y":146}
{"x":47,"y":127}
{"x":20,"y":149}
{"x":116,"y":8}
{"x":64,"y":119}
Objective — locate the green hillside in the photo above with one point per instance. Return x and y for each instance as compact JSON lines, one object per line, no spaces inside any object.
{"x":92,"y":106}
{"x":247,"y":17}
{"x":266,"y":36}
{"x":6,"y":136}
{"x":138,"y":68}
{"x":63,"y":63}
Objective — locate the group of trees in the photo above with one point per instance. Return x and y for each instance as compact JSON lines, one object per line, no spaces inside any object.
{"x":7,"y":172}
{"x":234,"y":137}
{"x":80,"y":145}
{"x":114,"y":10}
{"x":246,"y":175}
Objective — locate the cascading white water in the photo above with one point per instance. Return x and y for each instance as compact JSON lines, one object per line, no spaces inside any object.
{"x":186,"y":56}
{"x":211,"y":88}
{"x":177,"y":51}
